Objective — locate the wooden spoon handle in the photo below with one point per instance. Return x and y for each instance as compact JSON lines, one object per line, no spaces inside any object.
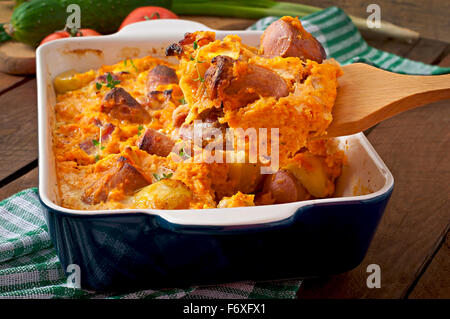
{"x":367,"y":96}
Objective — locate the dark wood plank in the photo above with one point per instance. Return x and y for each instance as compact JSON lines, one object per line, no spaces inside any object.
{"x":392,"y":46}
{"x":414,"y":146}
{"x":435,"y":282}
{"x":429,"y":18}
{"x":28,"y":180}
{"x":221,"y":23}
{"x":18,"y":128}
{"x":428,"y":51}
{"x":7,"y":81}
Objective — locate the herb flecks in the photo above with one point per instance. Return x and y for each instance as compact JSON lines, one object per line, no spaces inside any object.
{"x":140,"y":128}
{"x":110,"y":82}
{"x":132,"y":64}
{"x":163,"y":176}
{"x":197,"y":62}
{"x":183,"y":153}
{"x":98,"y":144}
{"x":125,"y":62}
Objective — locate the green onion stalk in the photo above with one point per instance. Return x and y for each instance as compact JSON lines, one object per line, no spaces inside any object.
{"x":256,"y":9}
{"x":248,"y":9}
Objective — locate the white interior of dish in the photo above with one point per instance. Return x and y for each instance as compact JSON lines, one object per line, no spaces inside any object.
{"x":365,"y":176}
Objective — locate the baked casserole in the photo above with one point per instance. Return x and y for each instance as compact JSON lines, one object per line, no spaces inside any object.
{"x":145,"y":133}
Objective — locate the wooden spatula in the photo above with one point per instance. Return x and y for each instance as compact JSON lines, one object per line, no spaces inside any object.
{"x":368,"y":95}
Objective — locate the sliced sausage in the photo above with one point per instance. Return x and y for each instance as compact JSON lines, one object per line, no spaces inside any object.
{"x":202,"y":38}
{"x":88,"y":145}
{"x":219,"y":75}
{"x":115,"y":76}
{"x":107,"y":131}
{"x":239,"y":91}
{"x":205,"y":129}
{"x":160,"y":75}
{"x":158,"y":100}
{"x":284,"y":187}
{"x":156,"y":143}
{"x":180,"y":114}
{"x":281,"y":38}
{"x":123,"y":176}
{"x":265,"y":82}
{"x":120,"y":105}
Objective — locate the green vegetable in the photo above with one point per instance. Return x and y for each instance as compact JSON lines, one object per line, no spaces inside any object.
{"x":132,"y":64}
{"x":33,"y":20}
{"x":250,"y":9}
{"x":140,"y":128}
{"x":164,"y":176}
{"x":111,"y":82}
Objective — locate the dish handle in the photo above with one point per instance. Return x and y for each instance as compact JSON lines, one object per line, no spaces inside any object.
{"x":159,"y":25}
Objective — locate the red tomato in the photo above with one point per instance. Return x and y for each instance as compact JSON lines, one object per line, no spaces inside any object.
{"x":147,"y":13}
{"x":65,"y":34}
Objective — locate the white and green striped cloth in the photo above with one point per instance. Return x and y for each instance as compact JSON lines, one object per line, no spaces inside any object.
{"x":29,"y":267}
{"x":343,"y":42}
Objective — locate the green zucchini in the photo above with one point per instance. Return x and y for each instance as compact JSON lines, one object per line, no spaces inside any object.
{"x":33,"y":20}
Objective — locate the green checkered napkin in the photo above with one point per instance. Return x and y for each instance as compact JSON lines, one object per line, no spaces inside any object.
{"x":343,"y":42}
{"x":29,"y":267}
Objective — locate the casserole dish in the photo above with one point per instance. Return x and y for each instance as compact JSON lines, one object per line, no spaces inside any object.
{"x":131,"y":248}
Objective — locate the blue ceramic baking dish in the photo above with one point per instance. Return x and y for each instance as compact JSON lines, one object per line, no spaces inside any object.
{"x":128,"y":249}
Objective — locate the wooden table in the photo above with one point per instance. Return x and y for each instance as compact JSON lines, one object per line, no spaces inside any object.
{"x":412,"y":243}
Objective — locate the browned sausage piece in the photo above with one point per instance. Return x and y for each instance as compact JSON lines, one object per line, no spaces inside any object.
{"x":218,"y":75}
{"x":123,"y":176}
{"x":160,"y":75}
{"x":284,"y":187}
{"x":120,"y":105}
{"x":155,"y":143}
{"x":180,"y":114}
{"x":265,"y":82}
{"x":249,"y":86}
{"x":87,"y":146}
{"x":283,"y":39}
{"x":107,"y":131}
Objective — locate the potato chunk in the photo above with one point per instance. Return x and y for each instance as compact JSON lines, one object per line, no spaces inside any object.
{"x":67,"y":81}
{"x":164,"y":194}
{"x":237,"y":200}
{"x":247,"y":176}
{"x":310,"y":171}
